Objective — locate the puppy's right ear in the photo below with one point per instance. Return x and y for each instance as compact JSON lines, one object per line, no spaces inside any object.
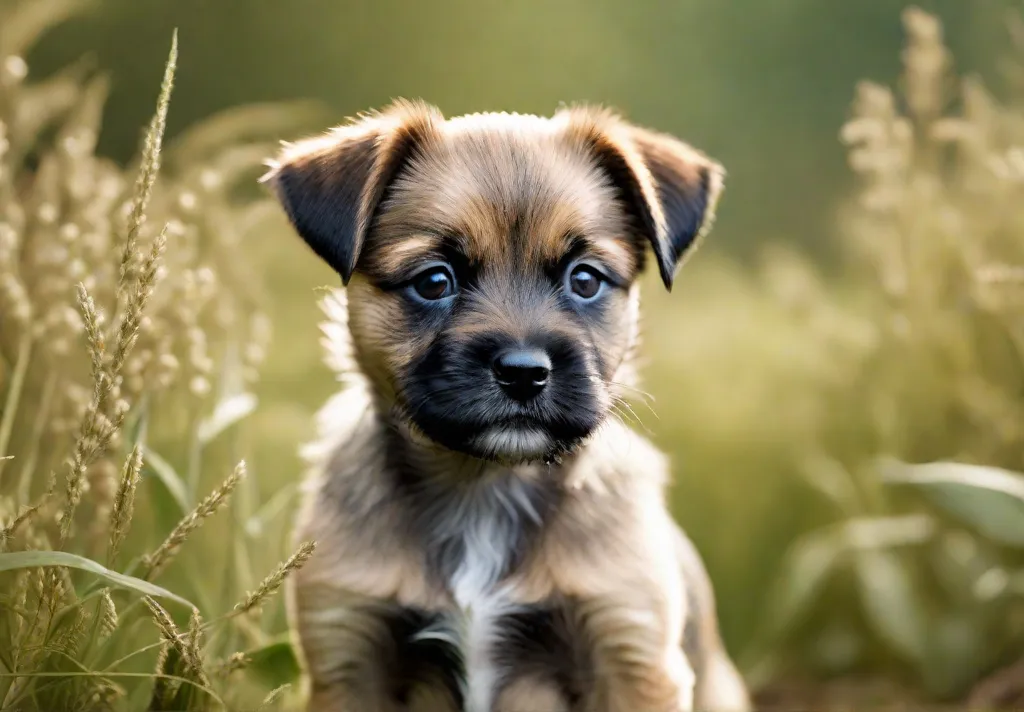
{"x":332,"y":185}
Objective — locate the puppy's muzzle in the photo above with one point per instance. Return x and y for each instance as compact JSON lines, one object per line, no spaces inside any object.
{"x":522,"y":373}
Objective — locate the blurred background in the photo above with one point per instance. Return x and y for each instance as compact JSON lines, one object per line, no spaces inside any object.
{"x":856,"y":314}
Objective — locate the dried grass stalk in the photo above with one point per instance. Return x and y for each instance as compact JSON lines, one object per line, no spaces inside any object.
{"x":273,"y":582}
{"x":150,"y":166}
{"x":154,"y":563}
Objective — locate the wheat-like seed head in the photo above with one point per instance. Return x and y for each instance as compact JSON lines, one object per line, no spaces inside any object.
{"x":193,"y":644}
{"x":150,"y":166}
{"x":168,"y":630}
{"x":124,"y":501}
{"x":156,"y":561}
{"x":236,"y":661}
{"x":273,"y":582}
{"x":272,"y":697}
{"x":108,"y":614}
{"x":71,"y":637}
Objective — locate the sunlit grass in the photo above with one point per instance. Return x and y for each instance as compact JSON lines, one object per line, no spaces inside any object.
{"x":131,"y":339}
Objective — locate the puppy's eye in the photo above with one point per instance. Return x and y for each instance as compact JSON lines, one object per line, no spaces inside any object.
{"x":434,"y":284}
{"x":585,"y":282}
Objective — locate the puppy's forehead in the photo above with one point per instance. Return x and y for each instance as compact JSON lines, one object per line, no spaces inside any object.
{"x":508,"y":186}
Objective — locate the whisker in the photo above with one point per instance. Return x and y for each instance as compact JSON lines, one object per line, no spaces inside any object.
{"x":617,"y":407}
{"x":646,"y":398}
{"x":644,"y":394}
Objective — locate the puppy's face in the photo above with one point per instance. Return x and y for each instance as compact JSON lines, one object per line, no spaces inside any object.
{"x":491,"y":261}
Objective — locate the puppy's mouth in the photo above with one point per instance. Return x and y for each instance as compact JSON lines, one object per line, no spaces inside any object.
{"x":514,"y":441}
{"x":509,"y":440}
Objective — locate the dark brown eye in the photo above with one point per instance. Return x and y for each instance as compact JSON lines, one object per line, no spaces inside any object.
{"x":434,"y":284}
{"x":585,"y":282}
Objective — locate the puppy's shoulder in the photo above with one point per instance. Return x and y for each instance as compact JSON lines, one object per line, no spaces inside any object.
{"x":346,"y":460}
{"x":621,"y":457}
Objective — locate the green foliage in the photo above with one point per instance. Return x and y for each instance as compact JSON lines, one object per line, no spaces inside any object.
{"x":877,"y":385}
{"x":987,"y":499}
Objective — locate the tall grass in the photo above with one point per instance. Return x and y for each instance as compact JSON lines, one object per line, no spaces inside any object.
{"x":130,"y":322}
{"x":893,"y":386}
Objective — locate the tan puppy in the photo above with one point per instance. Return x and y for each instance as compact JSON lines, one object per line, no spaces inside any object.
{"x":491,"y":537}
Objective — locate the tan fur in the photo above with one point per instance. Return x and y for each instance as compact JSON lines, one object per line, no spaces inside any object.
{"x":528,"y":694}
{"x":511,"y":194}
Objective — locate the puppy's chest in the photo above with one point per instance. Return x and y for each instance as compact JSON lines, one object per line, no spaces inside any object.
{"x":477,"y":557}
{"x":474,"y":539}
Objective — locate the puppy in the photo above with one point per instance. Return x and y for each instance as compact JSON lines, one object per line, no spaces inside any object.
{"x":491,"y":537}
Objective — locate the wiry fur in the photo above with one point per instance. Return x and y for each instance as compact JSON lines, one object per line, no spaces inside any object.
{"x":476,"y":553}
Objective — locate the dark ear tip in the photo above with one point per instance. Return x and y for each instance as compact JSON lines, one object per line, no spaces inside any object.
{"x":667,"y":276}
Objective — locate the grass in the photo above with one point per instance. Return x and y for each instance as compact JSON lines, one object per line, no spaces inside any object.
{"x":131,"y":326}
{"x":853,"y":401}
{"x":847,"y":441}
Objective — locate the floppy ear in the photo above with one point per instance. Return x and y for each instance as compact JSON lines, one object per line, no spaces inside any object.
{"x":670,"y":188}
{"x":332,"y":185}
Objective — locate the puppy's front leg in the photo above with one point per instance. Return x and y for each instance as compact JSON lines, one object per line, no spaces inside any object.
{"x":345,"y":640}
{"x":638,"y":661}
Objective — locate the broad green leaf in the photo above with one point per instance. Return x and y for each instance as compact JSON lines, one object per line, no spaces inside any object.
{"x":271,"y":509}
{"x":229,"y":411}
{"x":275,"y":664}
{"x":11,"y":561}
{"x":989,"y":499}
{"x":891,"y":602}
{"x":805,"y":571}
{"x":168,"y":477}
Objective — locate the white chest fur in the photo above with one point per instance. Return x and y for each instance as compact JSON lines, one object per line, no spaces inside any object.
{"x":482,"y":604}
{"x":489,"y":532}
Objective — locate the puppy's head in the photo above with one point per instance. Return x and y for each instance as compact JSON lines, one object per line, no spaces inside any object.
{"x":491,"y":260}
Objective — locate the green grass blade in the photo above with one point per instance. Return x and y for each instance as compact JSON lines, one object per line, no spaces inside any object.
{"x":893,"y":604}
{"x":168,"y":477}
{"x":228,"y":412}
{"x":13,"y":395}
{"x":11,"y":561}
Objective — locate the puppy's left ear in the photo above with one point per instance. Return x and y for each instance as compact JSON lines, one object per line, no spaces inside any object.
{"x":670,"y":188}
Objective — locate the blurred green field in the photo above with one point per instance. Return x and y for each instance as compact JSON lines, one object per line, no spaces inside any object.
{"x":858,"y":309}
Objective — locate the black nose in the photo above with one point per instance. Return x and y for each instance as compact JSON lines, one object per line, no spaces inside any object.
{"x":522,"y":373}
